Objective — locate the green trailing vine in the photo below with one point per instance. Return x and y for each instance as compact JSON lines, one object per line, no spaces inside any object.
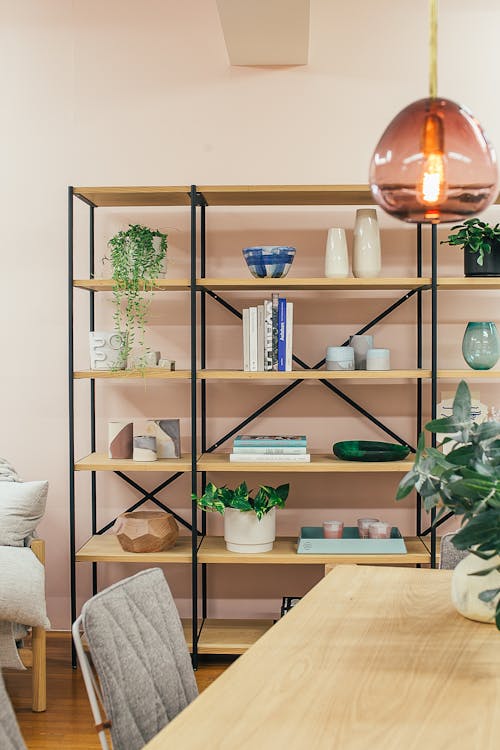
{"x":137,"y":262}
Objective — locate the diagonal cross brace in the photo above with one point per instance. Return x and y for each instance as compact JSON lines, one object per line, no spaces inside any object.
{"x":324,"y":382}
{"x":150,"y":495}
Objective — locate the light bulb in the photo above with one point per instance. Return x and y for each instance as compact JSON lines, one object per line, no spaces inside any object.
{"x":432,"y":186}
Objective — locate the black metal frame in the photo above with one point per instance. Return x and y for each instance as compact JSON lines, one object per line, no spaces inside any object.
{"x":200,"y":394}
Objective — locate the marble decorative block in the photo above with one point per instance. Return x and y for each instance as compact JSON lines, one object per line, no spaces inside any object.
{"x":120,"y":439}
{"x":145,"y":448}
{"x":168,"y":436}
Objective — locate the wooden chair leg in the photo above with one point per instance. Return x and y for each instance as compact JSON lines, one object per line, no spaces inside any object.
{"x":38,"y":670}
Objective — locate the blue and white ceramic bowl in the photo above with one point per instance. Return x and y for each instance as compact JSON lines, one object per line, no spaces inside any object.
{"x":269,"y":261}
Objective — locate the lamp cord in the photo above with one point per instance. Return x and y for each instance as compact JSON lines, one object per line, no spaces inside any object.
{"x":433,"y":22}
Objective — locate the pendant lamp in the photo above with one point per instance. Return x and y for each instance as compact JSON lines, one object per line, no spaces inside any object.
{"x":434,"y":163}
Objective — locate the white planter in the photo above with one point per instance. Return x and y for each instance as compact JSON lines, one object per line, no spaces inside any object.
{"x":366,"y":262}
{"x":465,"y":588}
{"x":336,"y":257}
{"x":243,"y":532}
{"x":105,"y":350}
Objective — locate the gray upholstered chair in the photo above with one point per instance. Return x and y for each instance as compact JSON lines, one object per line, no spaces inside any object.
{"x":10,"y":736}
{"x":450,"y":556}
{"x":138,"y":649}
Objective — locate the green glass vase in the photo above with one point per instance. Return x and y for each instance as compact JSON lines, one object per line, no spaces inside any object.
{"x":481,"y":345}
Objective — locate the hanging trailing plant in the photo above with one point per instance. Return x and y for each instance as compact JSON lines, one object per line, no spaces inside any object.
{"x":137,"y":256}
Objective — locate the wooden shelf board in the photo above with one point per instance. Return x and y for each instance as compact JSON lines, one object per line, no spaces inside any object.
{"x":313,"y":375}
{"x":101,"y":462}
{"x":106,"y":548}
{"x":107,"y":285}
{"x":320,"y":462}
{"x":135,"y":196}
{"x":290,"y":284}
{"x":159,"y":373}
{"x":286,"y":195}
{"x":213,"y":550}
{"x":229,"y":636}
{"x":469,"y":374}
{"x":467,"y":282}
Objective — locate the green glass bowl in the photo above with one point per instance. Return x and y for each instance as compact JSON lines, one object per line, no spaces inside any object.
{"x":369,"y":450}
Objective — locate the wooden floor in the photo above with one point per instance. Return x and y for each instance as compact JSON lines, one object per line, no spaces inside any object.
{"x":67,"y":723}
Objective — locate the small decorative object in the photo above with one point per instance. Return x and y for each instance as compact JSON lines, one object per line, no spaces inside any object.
{"x":249,"y":522}
{"x":147,"y":359}
{"x":378,"y":359}
{"x":366,"y":260}
{"x":333,"y":529}
{"x":481,"y":245}
{"x":145,"y":448}
{"x":168,"y":437}
{"x":167,"y":364}
{"x":481,"y":345}
{"x":364,"y":525}
{"x":146,"y":531}
{"x":336,"y":257}
{"x":360,"y":345}
{"x":340,"y":358}
{"x":271,"y":261}
{"x":137,"y":258}
{"x":465,"y":482}
{"x":120,"y":439}
{"x":433,"y":163}
{"x":106,"y":350}
{"x":369,"y":450}
{"x":379,"y":530}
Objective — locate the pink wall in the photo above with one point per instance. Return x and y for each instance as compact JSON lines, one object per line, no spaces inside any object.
{"x":141,"y":93}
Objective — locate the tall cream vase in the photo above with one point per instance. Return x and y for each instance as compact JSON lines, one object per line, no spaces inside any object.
{"x":336,"y":257}
{"x":366,"y":262}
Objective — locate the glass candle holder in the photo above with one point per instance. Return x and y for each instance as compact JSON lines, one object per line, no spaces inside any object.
{"x":481,"y":345}
{"x":333,"y":529}
{"x":363,"y":525}
{"x":379,"y":530}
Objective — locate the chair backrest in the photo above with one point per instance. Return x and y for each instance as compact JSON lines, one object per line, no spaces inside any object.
{"x":10,"y":736}
{"x":140,"y":655}
{"x":450,"y":556}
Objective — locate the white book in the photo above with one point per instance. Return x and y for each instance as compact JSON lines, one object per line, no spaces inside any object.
{"x":235,"y":458}
{"x":289,"y":336}
{"x":270,"y":451}
{"x":268,"y":335}
{"x":253,"y":338}
{"x":260,"y":338}
{"x":246,"y":340}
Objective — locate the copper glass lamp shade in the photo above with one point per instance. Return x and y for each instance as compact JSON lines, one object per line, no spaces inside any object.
{"x":433,"y":164}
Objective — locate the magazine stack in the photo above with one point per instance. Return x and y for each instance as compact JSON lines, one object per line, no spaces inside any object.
{"x":270,"y":449}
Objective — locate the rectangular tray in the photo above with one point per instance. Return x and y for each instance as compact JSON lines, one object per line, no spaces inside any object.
{"x":311,"y":541}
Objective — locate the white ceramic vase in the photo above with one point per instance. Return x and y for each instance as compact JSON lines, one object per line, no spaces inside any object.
{"x":105,"y":350}
{"x":465,"y":588}
{"x":336,"y":256}
{"x":366,"y":261}
{"x":243,"y":532}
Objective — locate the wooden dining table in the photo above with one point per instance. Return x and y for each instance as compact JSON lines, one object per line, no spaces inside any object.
{"x":371,"y":658}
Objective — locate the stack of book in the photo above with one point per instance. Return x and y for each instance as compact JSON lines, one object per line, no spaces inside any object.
{"x":267,"y":336}
{"x":270,"y":448}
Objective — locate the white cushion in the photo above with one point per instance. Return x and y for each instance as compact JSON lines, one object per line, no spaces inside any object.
{"x":22,"y":504}
{"x":22,"y":587}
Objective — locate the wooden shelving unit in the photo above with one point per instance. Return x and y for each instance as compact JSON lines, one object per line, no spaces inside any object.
{"x":229,"y":636}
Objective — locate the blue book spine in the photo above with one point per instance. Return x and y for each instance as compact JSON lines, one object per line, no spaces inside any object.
{"x":295,"y":441}
{"x":282,"y":334}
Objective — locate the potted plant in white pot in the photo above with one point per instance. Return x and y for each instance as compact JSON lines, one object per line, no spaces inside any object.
{"x":138,"y":260}
{"x":481,"y":245}
{"x":465,"y":481}
{"x":249,"y":522}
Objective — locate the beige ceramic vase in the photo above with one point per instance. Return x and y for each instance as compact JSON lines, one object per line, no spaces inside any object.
{"x":146,"y":531}
{"x":243,"y":532}
{"x":465,"y":588}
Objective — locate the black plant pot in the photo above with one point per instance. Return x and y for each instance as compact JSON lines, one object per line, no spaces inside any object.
{"x":490,"y":267}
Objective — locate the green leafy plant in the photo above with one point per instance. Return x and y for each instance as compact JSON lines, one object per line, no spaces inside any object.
{"x":475,"y":236}
{"x":466,"y":481}
{"x":219,"y":498}
{"x":136,"y":258}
